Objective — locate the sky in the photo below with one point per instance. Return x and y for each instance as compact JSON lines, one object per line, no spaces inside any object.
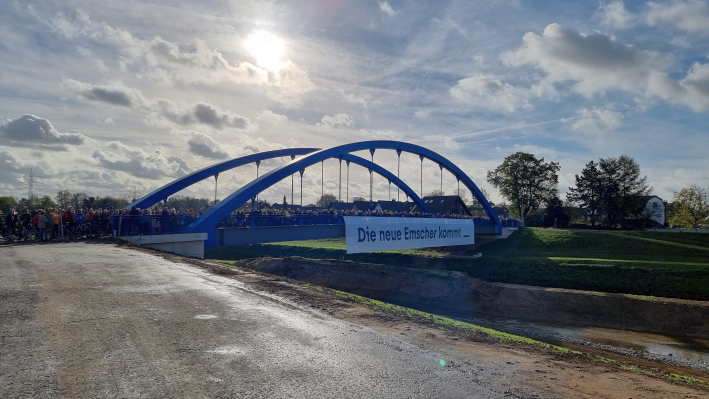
{"x":100,"y":97}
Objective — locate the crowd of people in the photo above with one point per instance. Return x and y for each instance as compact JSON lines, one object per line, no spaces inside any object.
{"x":50,"y":223}
{"x":41,"y":224}
{"x":285,"y":217}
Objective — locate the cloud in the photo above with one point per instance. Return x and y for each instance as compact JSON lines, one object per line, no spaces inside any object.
{"x":338,"y":120}
{"x":490,"y":94}
{"x":140,"y":163}
{"x":594,"y":121}
{"x":382,"y":134}
{"x":161,"y":111}
{"x":386,"y":8}
{"x":691,"y":16}
{"x":190,"y":63}
{"x":205,"y":146}
{"x":615,"y":15}
{"x":595,"y":62}
{"x":114,"y":94}
{"x":200,"y":113}
{"x":271,"y":117}
{"x":34,"y":132}
{"x":692,"y":90}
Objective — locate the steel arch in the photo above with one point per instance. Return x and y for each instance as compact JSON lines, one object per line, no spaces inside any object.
{"x":211,"y":241}
{"x":204,"y":173}
{"x":214,"y":215}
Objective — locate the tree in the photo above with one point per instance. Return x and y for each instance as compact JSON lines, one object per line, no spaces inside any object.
{"x":63,"y":198}
{"x":555,"y":212}
{"x":131,"y":194}
{"x":46,"y":202}
{"x":326,"y":200}
{"x":690,"y":208}
{"x":525,"y":181}
{"x":7,"y":202}
{"x":285,"y":203}
{"x":77,"y":200}
{"x":436,"y":193}
{"x":623,"y":191}
{"x":587,"y":192}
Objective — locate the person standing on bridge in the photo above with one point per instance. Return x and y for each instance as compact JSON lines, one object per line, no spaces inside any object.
{"x":41,"y":224}
{"x":49,"y":228}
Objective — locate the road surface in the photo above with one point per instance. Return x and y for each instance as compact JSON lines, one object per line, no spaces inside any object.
{"x":94,"y":320}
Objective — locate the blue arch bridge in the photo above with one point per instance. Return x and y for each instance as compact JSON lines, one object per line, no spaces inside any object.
{"x":207,"y":226}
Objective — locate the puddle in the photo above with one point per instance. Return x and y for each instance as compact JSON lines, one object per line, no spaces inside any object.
{"x":692,"y":351}
{"x":205,"y":316}
{"x":680,"y":347}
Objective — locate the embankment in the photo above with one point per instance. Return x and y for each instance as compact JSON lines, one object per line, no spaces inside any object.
{"x":455,"y":293}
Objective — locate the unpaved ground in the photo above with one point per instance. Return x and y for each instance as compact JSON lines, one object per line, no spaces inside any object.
{"x":95,"y":320}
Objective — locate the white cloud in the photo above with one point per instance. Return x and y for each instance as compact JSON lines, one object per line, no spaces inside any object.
{"x":615,"y":15}
{"x":166,"y":113}
{"x":193,"y":62}
{"x":105,"y":122}
{"x":271,"y":117}
{"x":692,"y":90}
{"x":594,"y":121}
{"x":529,"y":148}
{"x":205,"y":146}
{"x":140,"y":163}
{"x":338,"y":120}
{"x":34,"y":132}
{"x":595,"y":62}
{"x":386,"y":8}
{"x":114,"y":93}
{"x":382,"y":134}
{"x":491,"y":94}
{"x":691,"y":16}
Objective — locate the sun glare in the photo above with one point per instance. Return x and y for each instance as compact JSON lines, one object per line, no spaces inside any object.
{"x":267,"y":48}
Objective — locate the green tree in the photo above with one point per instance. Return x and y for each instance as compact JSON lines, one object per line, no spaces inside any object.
{"x":45,"y":202}
{"x":587,"y":192}
{"x":326,"y":200}
{"x":7,"y":202}
{"x":77,"y":200}
{"x":525,"y":181}
{"x":555,"y":212}
{"x":623,"y":190}
{"x":63,"y":198}
{"x":108,"y":201}
{"x":690,"y":208}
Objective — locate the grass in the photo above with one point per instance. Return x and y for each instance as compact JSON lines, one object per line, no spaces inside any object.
{"x":641,"y":263}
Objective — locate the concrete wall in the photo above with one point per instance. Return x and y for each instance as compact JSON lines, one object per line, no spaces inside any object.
{"x":258,"y":235}
{"x":189,"y":245}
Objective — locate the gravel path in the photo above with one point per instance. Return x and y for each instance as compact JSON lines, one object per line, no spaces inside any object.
{"x":97,"y":320}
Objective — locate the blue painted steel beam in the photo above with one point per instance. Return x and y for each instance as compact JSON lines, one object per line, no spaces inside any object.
{"x":208,"y":221}
{"x":204,"y":173}
{"x":211,"y":241}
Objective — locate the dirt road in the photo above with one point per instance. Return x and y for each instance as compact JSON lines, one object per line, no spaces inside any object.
{"x":95,"y":320}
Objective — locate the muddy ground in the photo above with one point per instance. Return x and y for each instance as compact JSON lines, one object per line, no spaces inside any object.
{"x":96,"y":320}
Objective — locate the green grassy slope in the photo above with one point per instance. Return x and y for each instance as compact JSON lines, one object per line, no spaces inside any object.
{"x":632,"y":262}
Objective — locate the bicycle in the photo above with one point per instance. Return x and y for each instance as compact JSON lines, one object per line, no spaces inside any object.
{"x":28,"y":232}
{"x":9,"y":234}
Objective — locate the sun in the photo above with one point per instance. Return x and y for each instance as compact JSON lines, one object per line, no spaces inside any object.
{"x":267,"y":48}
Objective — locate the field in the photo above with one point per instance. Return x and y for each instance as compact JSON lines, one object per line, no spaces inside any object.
{"x":628,"y":262}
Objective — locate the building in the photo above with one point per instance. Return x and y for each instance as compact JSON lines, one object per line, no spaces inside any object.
{"x":446,"y":205}
{"x":654,"y":211}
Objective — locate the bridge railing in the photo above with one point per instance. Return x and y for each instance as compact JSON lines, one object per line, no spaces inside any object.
{"x":294,"y":219}
{"x":130,"y":225}
{"x":133,"y":225}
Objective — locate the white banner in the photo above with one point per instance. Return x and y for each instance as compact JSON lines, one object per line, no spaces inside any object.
{"x":371,"y":234}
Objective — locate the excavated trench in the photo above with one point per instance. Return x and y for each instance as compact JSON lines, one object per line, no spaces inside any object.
{"x":648,"y":326}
